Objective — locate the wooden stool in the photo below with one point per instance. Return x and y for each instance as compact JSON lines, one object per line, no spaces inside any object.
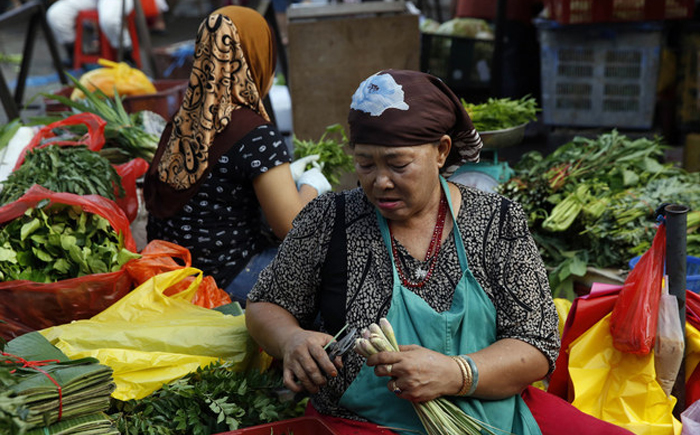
{"x":106,"y":51}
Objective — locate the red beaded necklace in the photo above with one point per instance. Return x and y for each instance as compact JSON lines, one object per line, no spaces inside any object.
{"x":433,"y":249}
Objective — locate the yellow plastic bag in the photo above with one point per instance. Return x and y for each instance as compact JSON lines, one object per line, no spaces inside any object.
{"x":150,"y":339}
{"x":618,"y":387}
{"x":563,"y":307}
{"x":120,"y":76}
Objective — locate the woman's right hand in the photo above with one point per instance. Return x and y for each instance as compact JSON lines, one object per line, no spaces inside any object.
{"x":306,"y":363}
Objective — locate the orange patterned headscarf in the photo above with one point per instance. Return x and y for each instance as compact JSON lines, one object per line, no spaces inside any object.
{"x":234,"y":63}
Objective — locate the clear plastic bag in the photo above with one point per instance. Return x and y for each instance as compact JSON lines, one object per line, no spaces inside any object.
{"x":670,"y":345}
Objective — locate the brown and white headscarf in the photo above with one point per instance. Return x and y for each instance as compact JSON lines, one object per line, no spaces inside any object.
{"x":234,"y":63}
{"x":405,"y":108}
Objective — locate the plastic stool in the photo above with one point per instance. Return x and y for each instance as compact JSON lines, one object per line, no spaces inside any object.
{"x":106,"y":51}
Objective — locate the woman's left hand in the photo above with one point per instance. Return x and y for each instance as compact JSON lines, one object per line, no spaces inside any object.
{"x":417,"y":374}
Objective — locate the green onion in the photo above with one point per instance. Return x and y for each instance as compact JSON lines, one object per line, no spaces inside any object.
{"x":439,"y":416}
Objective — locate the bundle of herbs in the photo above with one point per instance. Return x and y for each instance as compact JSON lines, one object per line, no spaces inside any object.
{"x":333,"y":159}
{"x":592,"y":202}
{"x":72,"y":169}
{"x":438,"y":416}
{"x":43,"y":392}
{"x":49,"y":244}
{"x":125,"y":138}
{"x":212,"y":400}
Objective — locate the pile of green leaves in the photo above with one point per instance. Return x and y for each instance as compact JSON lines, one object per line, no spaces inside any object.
{"x":63,"y":242}
{"x":72,"y":169}
{"x":125,"y":138}
{"x":30,"y":401}
{"x":592,"y":202}
{"x":501,"y":113}
{"x":333,"y":159}
{"x":211,"y":400}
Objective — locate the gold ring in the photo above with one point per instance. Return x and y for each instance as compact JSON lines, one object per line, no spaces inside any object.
{"x":397,"y":390}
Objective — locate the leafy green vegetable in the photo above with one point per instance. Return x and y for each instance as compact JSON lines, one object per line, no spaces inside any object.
{"x":73,"y":169}
{"x":592,"y":202}
{"x":501,"y":113}
{"x":63,"y":242}
{"x":333,"y":159}
{"x":7,"y":132}
{"x":211,"y":400}
{"x":125,"y":138}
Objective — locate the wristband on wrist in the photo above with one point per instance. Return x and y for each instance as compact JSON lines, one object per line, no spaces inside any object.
{"x":474,"y":373}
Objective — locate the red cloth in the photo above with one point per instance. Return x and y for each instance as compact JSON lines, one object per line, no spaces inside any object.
{"x":516,"y":10}
{"x":343,"y":426}
{"x":556,"y":416}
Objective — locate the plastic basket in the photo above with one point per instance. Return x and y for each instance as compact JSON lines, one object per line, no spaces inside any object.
{"x":166,"y":100}
{"x":297,"y":426}
{"x":599,"y":75}
{"x":598,"y":11}
{"x":692,"y":272}
{"x":462,"y":63}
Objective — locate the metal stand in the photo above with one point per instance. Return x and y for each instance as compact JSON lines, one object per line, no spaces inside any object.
{"x":34,"y":12}
{"x":676,"y":265}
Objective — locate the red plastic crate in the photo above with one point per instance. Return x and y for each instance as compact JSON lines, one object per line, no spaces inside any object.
{"x":599,"y":11}
{"x":294,"y":426}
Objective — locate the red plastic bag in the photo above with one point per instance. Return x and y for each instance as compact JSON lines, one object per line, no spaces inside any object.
{"x":636,"y":313}
{"x":94,"y":140}
{"x":28,"y":306}
{"x":160,"y":256}
{"x":130,"y":172}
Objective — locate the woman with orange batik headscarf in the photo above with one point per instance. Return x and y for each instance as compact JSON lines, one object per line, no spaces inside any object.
{"x":221,"y":173}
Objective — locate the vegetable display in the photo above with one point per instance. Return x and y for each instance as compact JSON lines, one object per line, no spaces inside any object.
{"x":126,"y":139}
{"x":438,"y":416}
{"x":592,"y":202}
{"x":501,"y":113}
{"x":62,"y":242}
{"x":211,"y":400}
{"x":333,"y":159}
{"x":73,"y":169}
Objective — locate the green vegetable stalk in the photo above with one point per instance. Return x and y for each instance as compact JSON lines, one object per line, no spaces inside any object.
{"x":592,"y":202}
{"x":125,"y":139}
{"x":333,"y":159}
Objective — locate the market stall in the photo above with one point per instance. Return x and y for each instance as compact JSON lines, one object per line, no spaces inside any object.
{"x":103,"y":333}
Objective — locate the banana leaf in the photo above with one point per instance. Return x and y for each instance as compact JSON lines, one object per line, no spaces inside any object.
{"x":92,"y":424}
{"x":38,"y":367}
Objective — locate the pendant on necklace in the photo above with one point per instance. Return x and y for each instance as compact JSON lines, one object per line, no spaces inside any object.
{"x":421,"y":273}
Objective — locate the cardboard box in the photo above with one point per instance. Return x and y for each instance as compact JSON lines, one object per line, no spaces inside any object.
{"x":333,"y":48}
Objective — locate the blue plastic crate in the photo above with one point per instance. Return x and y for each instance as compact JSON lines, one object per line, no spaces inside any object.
{"x":692,"y":272}
{"x":596,"y":75}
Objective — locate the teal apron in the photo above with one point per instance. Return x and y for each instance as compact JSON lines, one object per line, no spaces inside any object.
{"x":469,"y":326}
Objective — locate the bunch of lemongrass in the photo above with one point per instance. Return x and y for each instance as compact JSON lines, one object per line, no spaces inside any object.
{"x":439,"y":416}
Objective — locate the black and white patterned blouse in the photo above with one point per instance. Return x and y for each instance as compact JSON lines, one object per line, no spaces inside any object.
{"x":500,"y":250}
{"x":222,"y":224}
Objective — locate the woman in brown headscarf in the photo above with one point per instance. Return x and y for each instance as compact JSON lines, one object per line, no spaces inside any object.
{"x":454,"y":270}
{"x":221,"y":161}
